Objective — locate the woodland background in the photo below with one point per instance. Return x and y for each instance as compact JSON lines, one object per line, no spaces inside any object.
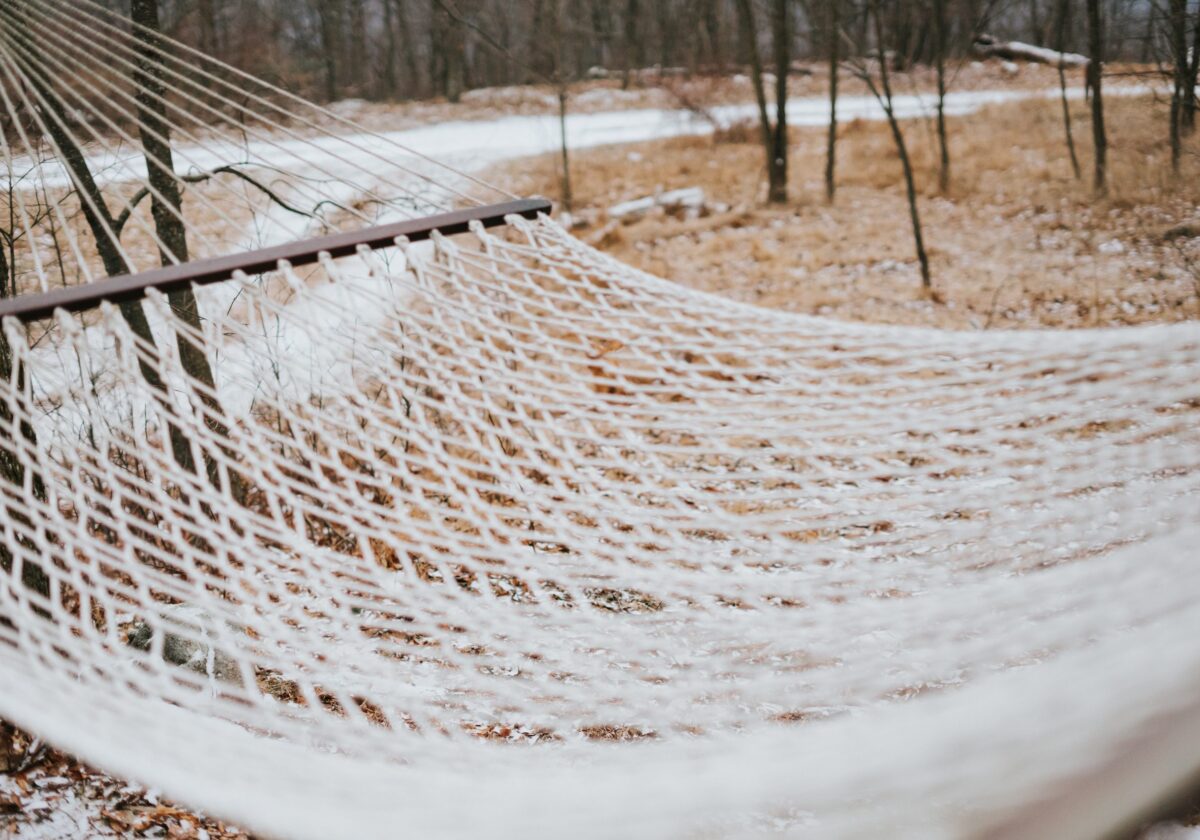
{"x":400,"y":49}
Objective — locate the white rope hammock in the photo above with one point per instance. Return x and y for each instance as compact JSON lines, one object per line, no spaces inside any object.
{"x":498,"y":536}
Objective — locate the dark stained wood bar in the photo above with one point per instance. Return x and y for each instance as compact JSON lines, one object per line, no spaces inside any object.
{"x":127,"y":287}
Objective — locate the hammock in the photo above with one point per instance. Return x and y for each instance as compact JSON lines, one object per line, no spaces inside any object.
{"x":495,"y":535}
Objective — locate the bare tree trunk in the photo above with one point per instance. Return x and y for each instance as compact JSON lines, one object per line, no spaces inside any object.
{"x":390,"y":48}
{"x":885,"y":99}
{"x":781,"y":36}
{"x":449,"y":45}
{"x":561,"y":80}
{"x":774,"y":143}
{"x":208,"y":26}
{"x":455,"y":47}
{"x":408,"y":45}
{"x":106,"y":233}
{"x":633,"y":54}
{"x":750,"y":43}
{"x":1177,"y":30}
{"x":358,"y":45}
{"x":1095,"y":70}
{"x":1060,"y":36}
{"x":1193,"y":77}
{"x":567,"y":196}
{"x":329,"y":16}
{"x":1035,"y":23}
{"x":166,"y":208}
{"x":835,"y":41}
{"x":939,"y":27}
{"x":711,"y":24}
{"x":1147,"y":51}
{"x":666,"y":32}
{"x":12,"y":468}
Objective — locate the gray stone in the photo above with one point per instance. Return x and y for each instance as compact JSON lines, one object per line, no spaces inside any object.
{"x":188,"y":642}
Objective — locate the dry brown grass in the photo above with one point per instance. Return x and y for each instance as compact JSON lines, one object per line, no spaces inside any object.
{"x":1016,"y":242}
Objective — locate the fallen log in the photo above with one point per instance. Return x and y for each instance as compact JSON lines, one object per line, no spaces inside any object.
{"x":989,"y":47}
{"x":689,"y":203}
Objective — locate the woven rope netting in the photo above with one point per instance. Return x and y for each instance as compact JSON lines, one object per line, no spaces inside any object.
{"x":498,"y":535}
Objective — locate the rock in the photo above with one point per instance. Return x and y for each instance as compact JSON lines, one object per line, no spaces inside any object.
{"x":187,"y":642}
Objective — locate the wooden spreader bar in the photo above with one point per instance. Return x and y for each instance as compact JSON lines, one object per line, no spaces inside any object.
{"x":126,"y":287}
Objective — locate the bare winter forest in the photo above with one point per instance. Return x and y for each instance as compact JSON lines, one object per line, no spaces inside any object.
{"x":404,"y":49}
{"x":960,"y":164}
{"x":983,"y":112}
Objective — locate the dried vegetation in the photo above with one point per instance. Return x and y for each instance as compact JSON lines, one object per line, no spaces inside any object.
{"x":1017,"y":241}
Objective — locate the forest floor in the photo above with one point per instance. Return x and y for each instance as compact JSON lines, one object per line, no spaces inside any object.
{"x":1017,"y":241}
{"x":51,"y":796}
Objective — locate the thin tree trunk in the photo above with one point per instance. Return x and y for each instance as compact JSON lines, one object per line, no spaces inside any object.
{"x":781,"y":36}
{"x":1147,"y":56}
{"x":208,"y":27}
{"x":1188,"y":118}
{"x":408,"y":45}
{"x":1060,"y":36}
{"x":357,"y":43}
{"x":1177,"y":29}
{"x":1095,"y":70}
{"x":12,"y":468}
{"x":901,"y":147}
{"x":750,"y":44}
{"x":633,"y":42}
{"x":560,"y":79}
{"x":105,"y":232}
{"x":567,"y":197}
{"x":455,"y":46}
{"x":390,"y":48}
{"x":939,"y":26}
{"x":329,"y":14}
{"x":710,"y":16}
{"x":834,"y":60}
{"x":666,"y":33}
{"x":166,"y":208}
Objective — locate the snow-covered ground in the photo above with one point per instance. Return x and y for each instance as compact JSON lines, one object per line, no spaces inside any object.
{"x":472,"y":145}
